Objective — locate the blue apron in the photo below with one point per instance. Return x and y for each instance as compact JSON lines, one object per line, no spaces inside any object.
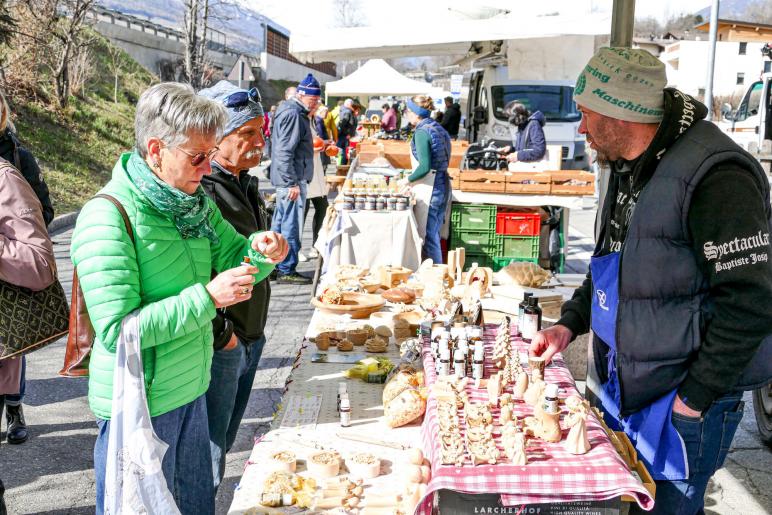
{"x":651,"y":431}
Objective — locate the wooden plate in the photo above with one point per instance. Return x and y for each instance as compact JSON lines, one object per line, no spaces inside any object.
{"x":358,"y":305}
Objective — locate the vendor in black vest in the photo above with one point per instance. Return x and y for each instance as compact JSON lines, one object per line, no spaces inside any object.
{"x":528,"y":143}
{"x":679,"y":288}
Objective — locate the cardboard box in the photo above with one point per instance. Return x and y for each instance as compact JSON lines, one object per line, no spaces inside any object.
{"x":537,"y":183}
{"x":484,"y":181}
{"x":573,"y":182}
{"x":455,"y":178}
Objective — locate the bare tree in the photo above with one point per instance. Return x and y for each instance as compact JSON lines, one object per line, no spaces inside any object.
{"x":60,"y":28}
{"x":115,"y":63}
{"x":759,"y":11}
{"x":347,"y":13}
{"x":196,"y":27}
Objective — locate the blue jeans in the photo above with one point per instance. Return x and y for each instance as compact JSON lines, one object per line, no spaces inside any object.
{"x":287,"y":221}
{"x":187,"y":464}
{"x":15,"y":400}
{"x":436,"y":218}
{"x":343,"y":144}
{"x":707,"y":440}
{"x":233,"y":372}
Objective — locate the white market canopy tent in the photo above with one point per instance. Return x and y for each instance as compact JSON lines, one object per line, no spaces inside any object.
{"x":376,"y":78}
{"x":453,"y":37}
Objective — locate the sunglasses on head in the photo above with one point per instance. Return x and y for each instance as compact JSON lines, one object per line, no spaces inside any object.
{"x":242,"y":98}
{"x":199,"y":157}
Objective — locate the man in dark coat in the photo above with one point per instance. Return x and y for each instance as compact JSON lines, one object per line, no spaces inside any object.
{"x":452,"y":117}
{"x":239,"y":335}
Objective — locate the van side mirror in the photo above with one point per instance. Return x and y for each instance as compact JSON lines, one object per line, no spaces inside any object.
{"x":480,"y":115}
{"x":726,"y":111}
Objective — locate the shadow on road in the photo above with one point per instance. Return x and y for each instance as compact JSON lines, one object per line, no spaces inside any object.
{"x":55,"y":389}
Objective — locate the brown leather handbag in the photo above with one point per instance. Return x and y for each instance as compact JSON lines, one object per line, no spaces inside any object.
{"x":81,"y":336}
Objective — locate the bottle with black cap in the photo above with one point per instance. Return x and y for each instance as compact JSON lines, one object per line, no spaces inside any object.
{"x":520,"y":310}
{"x":531,"y":319}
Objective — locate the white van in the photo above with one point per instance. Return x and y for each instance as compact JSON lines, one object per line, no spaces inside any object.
{"x":490,"y":89}
{"x":751,"y":124}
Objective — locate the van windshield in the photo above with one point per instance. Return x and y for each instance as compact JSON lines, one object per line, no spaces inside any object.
{"x":555,"y":102}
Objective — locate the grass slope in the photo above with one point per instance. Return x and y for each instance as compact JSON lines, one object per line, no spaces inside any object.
{"x":77,"y":147}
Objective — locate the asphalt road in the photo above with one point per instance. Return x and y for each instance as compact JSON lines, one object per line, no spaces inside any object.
{"x":52,"y":473}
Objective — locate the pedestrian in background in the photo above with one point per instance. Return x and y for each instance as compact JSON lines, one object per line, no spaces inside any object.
{"x":239,"y":330}
{"x":292,"y":168}
{"x":165,"y":274}
{"x":347,"y":128}
{"x":452,"y":117}
{"x":389,"y":119}
{"x":317,"y":195}
{"x":12,"y":151}
{"x":320,"y":130}
{"x":331,"y":125}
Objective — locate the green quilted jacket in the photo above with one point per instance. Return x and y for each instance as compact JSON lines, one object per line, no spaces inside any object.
{"x":163,"y":276}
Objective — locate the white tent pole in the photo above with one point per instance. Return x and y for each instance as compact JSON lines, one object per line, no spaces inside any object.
{"x":622,"y":21}
{"x":712,"y":58}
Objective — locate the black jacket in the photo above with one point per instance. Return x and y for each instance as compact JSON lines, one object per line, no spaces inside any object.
{"x":451,"y":119}
{"x":347,"y":122}
{"x":12,"y":151}
{"x":241,"y":205}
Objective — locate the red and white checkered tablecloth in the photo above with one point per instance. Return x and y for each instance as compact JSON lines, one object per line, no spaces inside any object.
{"x":552,"y":474}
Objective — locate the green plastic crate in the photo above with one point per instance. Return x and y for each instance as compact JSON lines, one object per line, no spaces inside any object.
{"x":517,"y":246}
{"x":500,"y":262}
{"x":472,"y":217}
{"x":475,"y":242}
{"x":480,"y":259}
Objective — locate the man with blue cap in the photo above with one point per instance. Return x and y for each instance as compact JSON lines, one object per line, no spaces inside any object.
{"x":239,"y":335}
{"x":292,"y":168}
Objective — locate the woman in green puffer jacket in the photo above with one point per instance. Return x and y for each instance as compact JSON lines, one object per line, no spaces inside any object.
{"x":180,"y":237}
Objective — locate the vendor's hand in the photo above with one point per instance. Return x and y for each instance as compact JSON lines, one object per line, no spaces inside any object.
{"x":232,"y":286}
{"x":505,"y":150}
{"x":512,"y":158}
{"x":293,"y":192}
{"x":682,"y":409}
{"x":550,"y":341}
{"x":232,"y":343}
{"x":272,"y":245}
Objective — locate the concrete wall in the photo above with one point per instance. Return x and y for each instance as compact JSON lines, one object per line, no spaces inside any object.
{"x":277,"y":68}
{"x":148,"y":47}
{"x":686,"y":63}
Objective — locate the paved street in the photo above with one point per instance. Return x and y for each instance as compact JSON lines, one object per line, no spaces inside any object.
{"x":52,"y":472}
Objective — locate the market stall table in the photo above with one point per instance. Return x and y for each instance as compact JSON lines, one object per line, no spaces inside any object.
{"x":307,"y":421}
{"x":371,"y":239}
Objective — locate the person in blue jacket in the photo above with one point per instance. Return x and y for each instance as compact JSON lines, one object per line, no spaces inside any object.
{"x":528,"y":143}
{"x":430,"y":154}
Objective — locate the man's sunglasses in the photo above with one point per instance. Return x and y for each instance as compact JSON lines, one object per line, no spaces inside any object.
{"x":242,"y":98}
{"x":199,"y":157}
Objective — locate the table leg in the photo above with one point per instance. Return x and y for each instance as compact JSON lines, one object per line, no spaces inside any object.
{"x":317,"y":273}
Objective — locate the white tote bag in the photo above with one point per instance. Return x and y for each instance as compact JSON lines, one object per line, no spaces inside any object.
{"x":134,"y":480}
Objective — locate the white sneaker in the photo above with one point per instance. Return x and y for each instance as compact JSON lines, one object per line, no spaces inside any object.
{"x":302,"y":258}
{"x":313,"y":253}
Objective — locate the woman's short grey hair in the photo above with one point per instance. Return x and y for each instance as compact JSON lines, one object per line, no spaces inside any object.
{"x":171,"y":112}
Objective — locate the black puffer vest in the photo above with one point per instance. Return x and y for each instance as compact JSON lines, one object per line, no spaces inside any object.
{"x":664,"y":308}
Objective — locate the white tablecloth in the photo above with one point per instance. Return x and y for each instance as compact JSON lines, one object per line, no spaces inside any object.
{"x":371,"y":239}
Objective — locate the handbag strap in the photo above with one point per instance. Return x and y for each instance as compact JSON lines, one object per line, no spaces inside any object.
{"x":121,"y":210}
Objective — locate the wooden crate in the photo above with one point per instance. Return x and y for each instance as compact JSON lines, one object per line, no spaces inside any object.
{"x":572,"y":182}
{"x":455,"y":178}
{"x":537,"y":183}
{"x":484,"y":181}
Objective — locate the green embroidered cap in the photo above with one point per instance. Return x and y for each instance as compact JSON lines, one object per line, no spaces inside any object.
{"x":623,"y":83}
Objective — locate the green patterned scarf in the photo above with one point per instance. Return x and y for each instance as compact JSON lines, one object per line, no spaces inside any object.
{"x":190,"y":213}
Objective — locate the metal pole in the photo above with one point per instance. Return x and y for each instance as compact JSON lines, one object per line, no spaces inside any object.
{"x":622,"y":21}
{"x":712,"y":58}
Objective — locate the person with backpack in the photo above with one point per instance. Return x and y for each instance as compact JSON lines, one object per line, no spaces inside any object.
{"x":153,"y":257}
{"x":13,"y":152}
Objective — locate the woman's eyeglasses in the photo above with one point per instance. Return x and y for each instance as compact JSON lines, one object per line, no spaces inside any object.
{"x":242,"y":98}
{"x":199,"y":157}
